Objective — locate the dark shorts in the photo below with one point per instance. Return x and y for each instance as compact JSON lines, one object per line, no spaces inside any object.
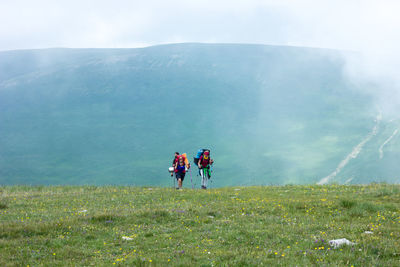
{"x":180,"y":175}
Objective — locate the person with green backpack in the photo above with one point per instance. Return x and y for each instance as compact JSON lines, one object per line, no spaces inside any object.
{"x":204,"y":163}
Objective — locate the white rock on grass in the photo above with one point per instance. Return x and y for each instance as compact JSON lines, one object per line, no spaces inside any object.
{"x":368,"y":232}
{"x":335,"y":243}
{"x":127,"y":238}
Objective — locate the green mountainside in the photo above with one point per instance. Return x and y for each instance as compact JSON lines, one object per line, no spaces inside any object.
{"x":269,"y":114}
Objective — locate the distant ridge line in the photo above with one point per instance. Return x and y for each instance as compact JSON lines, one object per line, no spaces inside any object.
{"x":177,"y":44}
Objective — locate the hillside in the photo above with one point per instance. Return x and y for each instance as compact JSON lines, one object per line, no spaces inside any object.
{"x":270,"y":115}
{"x":240,"y":226}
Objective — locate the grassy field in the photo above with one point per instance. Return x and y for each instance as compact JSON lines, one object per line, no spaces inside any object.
{"x":236,"y":226}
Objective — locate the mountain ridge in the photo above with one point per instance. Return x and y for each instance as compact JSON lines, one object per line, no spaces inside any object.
{"x":102,"y":116}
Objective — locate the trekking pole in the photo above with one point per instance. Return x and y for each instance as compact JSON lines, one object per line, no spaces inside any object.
{"x":191,"y":180}
{"x":209,"y":175}
{"x":171,"y":171}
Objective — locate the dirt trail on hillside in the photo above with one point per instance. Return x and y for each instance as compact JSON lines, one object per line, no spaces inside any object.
{"x":353,"y":154}
{"x":387,"y":141}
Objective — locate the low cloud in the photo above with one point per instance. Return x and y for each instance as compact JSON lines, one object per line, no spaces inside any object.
{"x":369,"y":27}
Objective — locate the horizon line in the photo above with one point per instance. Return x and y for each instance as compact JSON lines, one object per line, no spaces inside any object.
{"x":180,"y":43}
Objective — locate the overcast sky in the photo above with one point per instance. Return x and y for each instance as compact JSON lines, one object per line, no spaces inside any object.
{"x":342,"y":24}
{"x":371,"y":27}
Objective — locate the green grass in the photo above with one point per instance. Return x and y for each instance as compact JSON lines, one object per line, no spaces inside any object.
{"x":242,"y":226}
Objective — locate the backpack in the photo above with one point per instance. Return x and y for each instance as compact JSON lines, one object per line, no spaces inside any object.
{"x":180,"y":157}
{"x":200,"y":153}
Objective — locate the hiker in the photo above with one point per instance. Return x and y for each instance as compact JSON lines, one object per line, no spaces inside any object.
{"x":180,"y":171}
{"x":175,"y":161}
{"x":204,"y":164}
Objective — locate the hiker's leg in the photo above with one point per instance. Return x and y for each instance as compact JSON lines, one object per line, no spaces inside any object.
{"x":177,"y":180}
{"x":203,"y":179}
{"x":180,"y":183}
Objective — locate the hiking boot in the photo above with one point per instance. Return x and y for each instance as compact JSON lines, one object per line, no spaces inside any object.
{"x":203,"y":187}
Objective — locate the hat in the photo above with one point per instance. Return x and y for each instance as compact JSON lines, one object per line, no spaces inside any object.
{"x":206,"y":152}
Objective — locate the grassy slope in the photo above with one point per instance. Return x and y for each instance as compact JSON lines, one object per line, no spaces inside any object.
{"x":287,"y":225}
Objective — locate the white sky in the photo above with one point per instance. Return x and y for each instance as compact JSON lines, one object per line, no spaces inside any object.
{"x":343,"y":24}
